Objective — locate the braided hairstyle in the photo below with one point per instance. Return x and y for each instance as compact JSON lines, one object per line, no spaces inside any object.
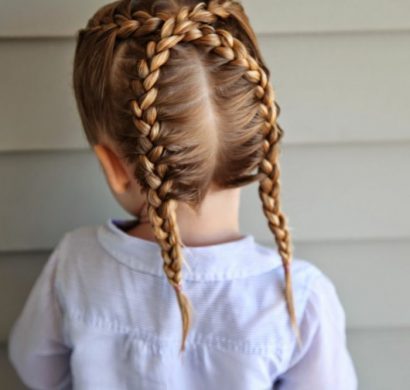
{"x":182,"y":88}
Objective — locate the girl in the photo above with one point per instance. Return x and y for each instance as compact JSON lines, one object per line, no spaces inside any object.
{"x":175,"y":99}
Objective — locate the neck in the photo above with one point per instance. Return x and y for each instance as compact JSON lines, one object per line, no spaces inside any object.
{"x":216,"y":222}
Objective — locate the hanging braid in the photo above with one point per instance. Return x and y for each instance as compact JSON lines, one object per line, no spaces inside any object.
{"x":161,"y":31}
{"x":269,"y":193}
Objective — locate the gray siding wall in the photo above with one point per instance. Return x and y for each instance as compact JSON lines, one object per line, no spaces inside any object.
{"x":340,"y":73}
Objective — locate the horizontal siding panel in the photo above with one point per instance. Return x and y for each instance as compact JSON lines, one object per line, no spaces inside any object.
{"x":327,"y":16}
{"x":336,"y":192}
{"x":371,"y":278}
{"x":46,"y":194}
{"x":342,"y":93}
{"x":20,"y":18}
{"x":372,"y":294}
{"x":45,"y":18}
{"x":37,"y":108}
{"x":374,"y":369}
{"x":381,"y":357}
{"x":329,"y":193}
{"x":341,"y":88}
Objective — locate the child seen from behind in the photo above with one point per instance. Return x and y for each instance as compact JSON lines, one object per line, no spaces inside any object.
{"x":176,"y":102}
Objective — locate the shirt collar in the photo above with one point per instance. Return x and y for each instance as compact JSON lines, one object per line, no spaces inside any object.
{"x":230,"y":260}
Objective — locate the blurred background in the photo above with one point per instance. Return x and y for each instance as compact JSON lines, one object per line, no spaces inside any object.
{"x":341,"y":75}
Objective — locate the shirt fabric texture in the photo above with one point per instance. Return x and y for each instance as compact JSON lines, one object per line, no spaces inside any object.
{"x":102,"y":315}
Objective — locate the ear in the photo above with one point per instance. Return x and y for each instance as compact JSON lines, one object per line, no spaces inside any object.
{"x":114,"y":169}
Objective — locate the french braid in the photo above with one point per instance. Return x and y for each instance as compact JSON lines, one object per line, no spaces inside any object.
{"x":194,"y":25}
{"x":269,"y":193}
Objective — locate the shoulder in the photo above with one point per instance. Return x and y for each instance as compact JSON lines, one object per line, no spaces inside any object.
{"x":316,"y":293}
{"x":323,"y":305}
{"x":78,"y":238}
{"x":322,"y":325}
{"x":304,"y":272}
{"x":79,"y":243}
{"x":316,"y":297}
{"x":320,"y":312}
{"x":76,"y":249}
{"x":313,"y":290}
{"x":320,"y":294}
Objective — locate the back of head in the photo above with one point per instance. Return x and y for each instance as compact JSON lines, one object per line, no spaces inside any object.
{"x":181,"y":87}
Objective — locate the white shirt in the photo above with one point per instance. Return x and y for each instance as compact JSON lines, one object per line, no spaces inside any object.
{"x":102,"y":315}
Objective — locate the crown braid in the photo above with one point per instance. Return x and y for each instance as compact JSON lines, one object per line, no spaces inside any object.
{"x":195,"y":26}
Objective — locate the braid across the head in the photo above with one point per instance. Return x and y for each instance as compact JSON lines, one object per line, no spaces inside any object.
{"x":221,"y":30}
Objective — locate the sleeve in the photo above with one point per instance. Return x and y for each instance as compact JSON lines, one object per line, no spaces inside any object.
{"x":36,"y":344}
{"x":323,"y":362}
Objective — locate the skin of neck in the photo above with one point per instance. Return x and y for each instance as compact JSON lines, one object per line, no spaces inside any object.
{"x":216,"y":221}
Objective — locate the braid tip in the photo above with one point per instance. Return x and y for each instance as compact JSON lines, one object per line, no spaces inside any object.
{"x":186,"y":313}
{"x":291,"y":307}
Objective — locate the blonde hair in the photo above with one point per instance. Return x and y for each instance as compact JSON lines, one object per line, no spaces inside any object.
{"x":181,"y":86}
